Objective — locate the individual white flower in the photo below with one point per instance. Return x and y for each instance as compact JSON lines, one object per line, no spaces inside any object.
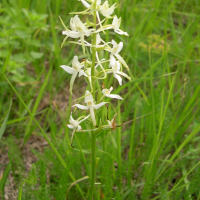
{"x":111,"y":124}
{"x":116,"y":24}
{"x":115,"y":51}
{"x":90,"y":105}
{"x":105,"y":10}
{"x":106,"y":92}
{"x":78,"y":30}
{"x":115,"y":65}
{"x":74,"y":124}
{"x":74,"y":70}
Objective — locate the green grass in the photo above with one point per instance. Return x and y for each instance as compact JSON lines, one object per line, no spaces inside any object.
{"x":154,"y":156}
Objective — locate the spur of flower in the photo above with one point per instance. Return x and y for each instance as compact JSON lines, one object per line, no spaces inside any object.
{"x":79,"y":30}
{"x":90,"y":105}
{"x":74,"y":124}
{"x":74,"y":70}
{"x":115,"y":69}
{"x":106,"y":92}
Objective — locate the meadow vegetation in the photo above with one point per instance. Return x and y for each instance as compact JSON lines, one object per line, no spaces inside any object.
{"x":154,"y":155}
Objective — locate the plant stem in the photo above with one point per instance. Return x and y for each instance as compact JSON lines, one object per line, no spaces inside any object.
{"x":93,"y":145}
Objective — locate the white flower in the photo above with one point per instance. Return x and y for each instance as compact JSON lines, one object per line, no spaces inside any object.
{"x":106,"y":92}
{"x":90,"y":105}
{"x":105,"y":10}
{"x":115,"y":51}
{"x":74,"y":124}
{"x":78,"y":30}
{"x":111,"y":124}
{"x":115,"y":65}
{"x":116,"y":24}
{"x":74,"y":70}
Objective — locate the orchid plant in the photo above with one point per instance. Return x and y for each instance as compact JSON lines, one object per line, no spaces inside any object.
{"x":95,"y":69}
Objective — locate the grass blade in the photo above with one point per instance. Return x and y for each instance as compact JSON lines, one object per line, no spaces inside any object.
{"x":3,"y":126}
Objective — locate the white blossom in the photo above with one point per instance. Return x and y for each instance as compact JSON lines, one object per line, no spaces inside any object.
{"x":78,"y":30}
{"x":111,"y":124}
{"x":106,"y":92}
{"x":74,"y":124}
{"x":105,"y":10}
{"x":74,"y":70}
{"x":116,"y":24}
{"x":115,"y":51}
{"x":115,"y":65}
{"x":89,"y":101}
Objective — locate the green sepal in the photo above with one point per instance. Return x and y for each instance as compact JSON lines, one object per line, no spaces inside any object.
{"x":88,"y":23}
{"x":64,"y":41}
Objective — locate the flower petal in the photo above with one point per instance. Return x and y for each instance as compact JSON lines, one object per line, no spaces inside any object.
{"x":70,"y":126}
{"x":81,"y":73}
{"x":78,"y":128}
{"x":111,"y":89}
{"x":125,"y":75}
{"x":114,"y":96}
{"x":112,"y":60}
{"x":97,"y":106}
{"x":121,"y":60}
{"x":80,"y":106}
{"x":120,"y":46}
{"x":86,"y":4}
{"x":88,"y":96}
{"x":72,"y":34}
{"x":76,"y":64}
{"x":68,"y":69}
{"x":72,"y":24}
{"x":120,"y":32}
{"x":114,"y":43}
{"x":71,"y":118}
{"x":118,"y":78}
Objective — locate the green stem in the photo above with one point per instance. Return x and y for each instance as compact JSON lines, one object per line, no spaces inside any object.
{"x":119,"y":148}
{"x":93,"y":145}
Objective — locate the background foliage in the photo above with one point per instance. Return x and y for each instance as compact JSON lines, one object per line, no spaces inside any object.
{"x":153,"y":157}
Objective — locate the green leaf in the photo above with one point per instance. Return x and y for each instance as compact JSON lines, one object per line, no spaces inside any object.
{"x":20,"y":191}
{"x":36,"y":55}
{"x":32,"y":179}
{"x":3,"y":126}
{"x":5,"y":175}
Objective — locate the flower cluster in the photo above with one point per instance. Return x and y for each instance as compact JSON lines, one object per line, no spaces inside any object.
{"x":95,"y":69}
